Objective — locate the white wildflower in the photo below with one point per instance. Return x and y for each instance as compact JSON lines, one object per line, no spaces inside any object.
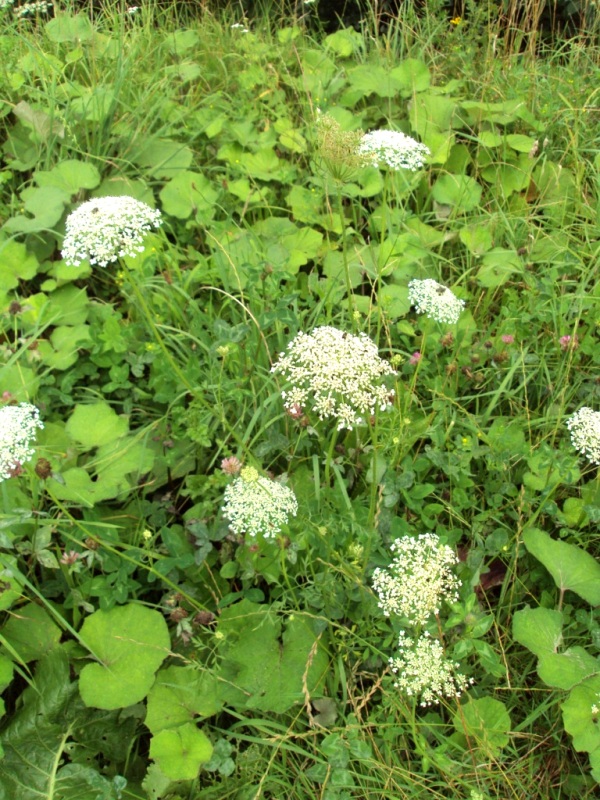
{"x":238,"y":26}
{"x":258,"y":506}
{"x":393,"y":148}
{"x":418,"y":580}
{"x":18,"y":426}
{"x":107,"y":228}
{"x":585,"y":433}
{"x":423,"y":671}
{"x":337,"y":374}
{"x":33,"y":8}
{"x":434,"y":300}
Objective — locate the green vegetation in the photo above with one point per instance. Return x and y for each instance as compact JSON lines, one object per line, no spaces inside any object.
{"x":210,"y":589}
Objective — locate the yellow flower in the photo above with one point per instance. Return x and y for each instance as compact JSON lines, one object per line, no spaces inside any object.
{"x":455,"y":21}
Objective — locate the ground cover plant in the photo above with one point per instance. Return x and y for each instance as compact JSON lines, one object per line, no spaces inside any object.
{"x":300,"y":408}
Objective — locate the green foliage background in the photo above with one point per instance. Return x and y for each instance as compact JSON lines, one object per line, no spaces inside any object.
{"x":146,"y":652}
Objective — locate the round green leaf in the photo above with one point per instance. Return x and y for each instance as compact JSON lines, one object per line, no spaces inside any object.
{"x":411,"y":76}
{"x":178,"y":695}
{"x":189,"y":194}
{"x":460,"y":191}
{"x":30,"y":633}
{"x":130,"y":642}
{"x":578,"y":718}
{"x":179,"y":752}
{"x":486,"y":722}
{"x":96,"y":424}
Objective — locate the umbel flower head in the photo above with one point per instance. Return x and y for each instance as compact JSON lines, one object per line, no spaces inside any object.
{"x":423,"y":671}
{"x":393,"y":148}
{"x":337,"y":374}
{"x":258,"y":506}
{"x":107,"y":228}
{"x":435,"y":301}
{"x":18,"y":427}
{"x":339,"y":149}
{"x":418,"y":580}
{"x":585,"y":433}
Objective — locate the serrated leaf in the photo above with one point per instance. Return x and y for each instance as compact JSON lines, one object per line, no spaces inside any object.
{"x":130,"y":643}
{"x":461,"y":192}
{"x":565,"y":670}
{"x":180,"y":694}
{"x":189,"y":194}
{"x":486,"y":723}
{"x":410,"y":76}
{"x":70,"y":176}
{"x":15,"y":264}
{"x":570,"y":566}
{"x":95,"y":424}
{"x":67,"y":27}
{"x":179,"y":752}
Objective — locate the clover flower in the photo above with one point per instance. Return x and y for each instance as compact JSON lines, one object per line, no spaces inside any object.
{"x":395,"y":149}
{"x":107,"y":228}
{"x":423,"y":670}
{"x":258,"y":506}
{"x":418,"y":579}
{"x":18,"y":426}
{"x":337,"y":374}
{"x":585,"y":433}
{"x":435,"y":301}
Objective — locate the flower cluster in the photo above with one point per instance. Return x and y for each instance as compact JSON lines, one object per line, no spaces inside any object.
{"x":339,"y":149}
{"x":18,"y":426}
{"x":337,"y":373}
{"x":107,"y":228}
{"x":435,"y":301}
{"x":418,"y":579}
{"x":585,"y":433}
{"x":422,"y":669}
{"x":395,"y":149}
{"x":258,"y":506}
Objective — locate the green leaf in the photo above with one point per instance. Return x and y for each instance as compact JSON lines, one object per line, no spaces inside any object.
{"x":180,"y":694}
{"x":476,"y":238}
{"x":411,"y":76}
{"x":497,"y":266}
{"x":31,"y":632}
{"x":578,"y":717}
{"x":520,"y":142}
{"x":258,"y":671}
{"x":36,"y":733}
{"x":372,"y":79}
{"x":78,"y":782}
{"x":69,"y":28}
{"x":461,"y":192}
{"x":130,"y":643}
{"x":538,"y":629}
{"x":565,"y":670}
{"x":6,"y":672}
{"x":162,"y":158}
{"x":15,"y":264}
{"x":96,"y":424}
{"x":179,"y":752}
{"x":189,"y":194}
{"x":486,"y":723}
{"x":570,"y":566}
{"x":46,"y":204}
{"x":70,"y":176}
{"x":344,"y":42}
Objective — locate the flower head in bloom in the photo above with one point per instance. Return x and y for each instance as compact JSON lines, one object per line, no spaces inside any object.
{"x":435,"y":301}
{"x":395,"y":149}
{"x":415,"y":358}
{"x":569,"y":342}
{"x":337,"y":374}
{"x":18,"y":427}
{"x":423,"y":671}
{"x":585,"y":433}
{"x":231,"y":465}
{"x":418,"y":579}
{"x":507,"y":338}
{"x":107,"y":228}
{"x":258,"y":506}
